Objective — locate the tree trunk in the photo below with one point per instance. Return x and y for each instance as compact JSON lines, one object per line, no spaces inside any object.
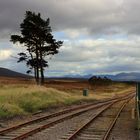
{"x":36,"y":70}
{"x":42,"y":70}
{"x":37,"y":66}
{"x":37,"y":75}
{"x":41,"y":66}
{"x":42,"y":76}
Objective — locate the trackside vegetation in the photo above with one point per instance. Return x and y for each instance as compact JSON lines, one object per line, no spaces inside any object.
{"x":26,"y":99}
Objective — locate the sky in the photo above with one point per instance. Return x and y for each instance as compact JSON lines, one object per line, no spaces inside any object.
{"x":100,"y":36}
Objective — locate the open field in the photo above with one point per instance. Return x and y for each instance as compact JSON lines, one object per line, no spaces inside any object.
{"x":18,"y":98}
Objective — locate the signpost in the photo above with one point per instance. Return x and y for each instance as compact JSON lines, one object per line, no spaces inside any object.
{"x":138,"y":106}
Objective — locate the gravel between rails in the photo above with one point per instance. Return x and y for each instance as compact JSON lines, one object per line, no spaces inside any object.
{"x":9,"y":122}
{"x":81,"y":119}
{"x":24,"y":129}
{"x":56,"y":132}
{"x":125,"y":127}
{"x":97,"y":129}
{"x":61,"y":130}
{"x":5,"y":123}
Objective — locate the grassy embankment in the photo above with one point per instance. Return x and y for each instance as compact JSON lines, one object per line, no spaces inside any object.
{"x":25,"y":99}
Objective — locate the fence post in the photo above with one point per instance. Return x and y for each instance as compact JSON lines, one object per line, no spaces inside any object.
{"x":138,"y":107}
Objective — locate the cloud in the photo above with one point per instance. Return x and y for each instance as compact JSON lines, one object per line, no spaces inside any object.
{"x":5,"y":54}
{"x":99,"y":36}
{"x":98,"y":56}
{"x":108,"y":16}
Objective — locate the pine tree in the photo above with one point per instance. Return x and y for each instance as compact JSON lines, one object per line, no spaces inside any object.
{"x":36,"y":36}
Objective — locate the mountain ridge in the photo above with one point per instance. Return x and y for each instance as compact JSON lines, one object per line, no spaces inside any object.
{"x":131,"y":76}
{"x":4,"y":72}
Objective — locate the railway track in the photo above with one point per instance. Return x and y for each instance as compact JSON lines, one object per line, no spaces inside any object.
{"x":100,"y":125}
{"x":26,"y":129}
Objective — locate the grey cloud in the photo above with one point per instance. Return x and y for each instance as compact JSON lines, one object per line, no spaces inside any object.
{"x":96,"y":50}
{"x":103,"y":58}
{"x":108,"y":16}
{"x":92,"y":18}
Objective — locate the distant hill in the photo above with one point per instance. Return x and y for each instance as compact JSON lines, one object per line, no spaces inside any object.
{"x":9,"y":73}
{"x":132,"y":76}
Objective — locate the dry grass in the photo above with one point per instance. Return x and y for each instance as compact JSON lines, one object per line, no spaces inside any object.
{"x":20,"y":99}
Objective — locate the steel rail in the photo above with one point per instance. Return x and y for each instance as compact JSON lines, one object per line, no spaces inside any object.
{"x":38,"y":129}
{"x":74,"y":135}
{"x":89,"y":122}
{"x":29,"y":133}
{"x":47,"y":117}
{"x":115,"y":120}
{"x":2,"y":132}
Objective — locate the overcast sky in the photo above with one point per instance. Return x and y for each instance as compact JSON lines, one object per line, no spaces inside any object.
{"x":100,"y":36}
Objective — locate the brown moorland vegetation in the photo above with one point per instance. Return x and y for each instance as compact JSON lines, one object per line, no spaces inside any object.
{"x":20,"y":96}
